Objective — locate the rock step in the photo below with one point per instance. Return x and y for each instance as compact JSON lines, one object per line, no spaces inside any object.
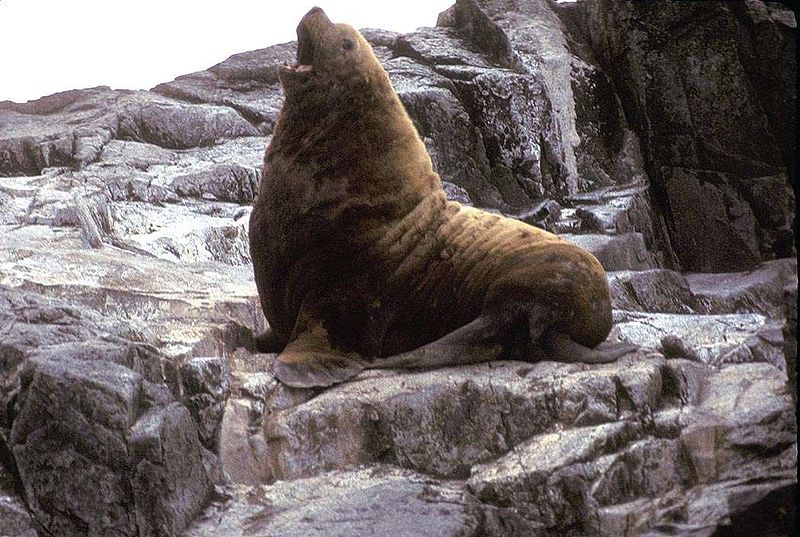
{"x":593,"y":477}
{"x":563,"y":479}
{"x":15,"y":520}
{"x":616,"y":252}
{"x":710,"y":339}
{"x":760,"y":290}
{"x":102,"y":451}
{"x":444,"y":422}
{"x":373,"y":501}
{"x":607,"y":211}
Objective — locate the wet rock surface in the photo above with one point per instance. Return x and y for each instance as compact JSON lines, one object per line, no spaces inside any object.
{"x":133,"y":402}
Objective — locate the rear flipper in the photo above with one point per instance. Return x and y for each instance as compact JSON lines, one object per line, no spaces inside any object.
{"x":559,"y":347}
{"x":475,"y":342}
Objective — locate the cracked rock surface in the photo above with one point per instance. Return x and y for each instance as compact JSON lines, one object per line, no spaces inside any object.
{"x":133,"y":401}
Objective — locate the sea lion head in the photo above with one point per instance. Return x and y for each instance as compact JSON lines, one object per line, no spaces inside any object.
{"x":328,"y":56}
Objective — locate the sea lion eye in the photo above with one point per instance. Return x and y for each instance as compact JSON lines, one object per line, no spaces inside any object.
{"x":348,"y":44}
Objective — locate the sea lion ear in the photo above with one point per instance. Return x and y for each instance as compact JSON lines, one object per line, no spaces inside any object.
{"x":309,"y":360}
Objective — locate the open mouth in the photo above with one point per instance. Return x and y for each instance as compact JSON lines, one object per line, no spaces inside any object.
{"x":305,"y":51}
{"x":312,"y":27}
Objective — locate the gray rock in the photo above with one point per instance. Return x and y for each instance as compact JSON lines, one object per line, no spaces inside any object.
{"x":437,"y":46}
{"x":616,"y":252}
{"x":758,"y":507}
{"x":40,"y":324}
{"x":91,"y":465}
{"x":246,"y":82}
{"x":513,"y":115}
{"x":378,"y":37}
{"x":561,"y":480}
{"x":206,"y":386}
{"x":170,"y":483}
{"x":758,"y":291}
{"x":715,"y":228}
{"x":373,"y":501}
{"x":790,"y":336}
{"x":189,"y":234}
{"x":178,"y":126}
{"x":70,"y":446}
{"x":707,"y":118}
{"x":14,"y":518}
{"x":529,"y":38}
{"x":242,"y":448}
{"x":136,"y":154}
{"x":138,"y":189}
{"x":225,"y":182}
{"x":655,"y":290}
{"x":757,"y":423}
{"x":713,"y":339}
{"x":72,"y":134}
{"x":443,"y":422}
{"x":72,"y":128}
{"x":616,"y":210}
{"x":456,"y":193}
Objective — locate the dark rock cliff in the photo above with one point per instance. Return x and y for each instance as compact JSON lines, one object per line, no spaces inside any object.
{"x":658,"y":135}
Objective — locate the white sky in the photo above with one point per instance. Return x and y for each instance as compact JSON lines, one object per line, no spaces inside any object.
{"x":47,"y":46}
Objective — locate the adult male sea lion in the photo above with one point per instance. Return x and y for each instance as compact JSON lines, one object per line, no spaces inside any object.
{"x":359,"y":259}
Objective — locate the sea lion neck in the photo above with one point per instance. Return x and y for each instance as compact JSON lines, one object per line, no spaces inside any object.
{"x":361,"y":139}
{"x":343,"y":146}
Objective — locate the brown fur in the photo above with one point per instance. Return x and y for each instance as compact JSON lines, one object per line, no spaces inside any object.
{"x":356,"y":252}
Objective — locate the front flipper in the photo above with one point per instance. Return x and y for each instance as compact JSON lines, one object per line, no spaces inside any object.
{"x":309,"y":360}
{"x":268,"y":342}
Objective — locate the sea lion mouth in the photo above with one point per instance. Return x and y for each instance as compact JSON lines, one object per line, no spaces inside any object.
{"x":305,"y":45}
{"x":312,"y":24}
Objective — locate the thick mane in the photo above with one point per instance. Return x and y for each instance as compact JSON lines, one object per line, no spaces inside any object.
{"x":354,"y":141}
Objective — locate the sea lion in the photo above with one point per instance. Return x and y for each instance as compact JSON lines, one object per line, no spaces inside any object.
{"x":359,"y":259}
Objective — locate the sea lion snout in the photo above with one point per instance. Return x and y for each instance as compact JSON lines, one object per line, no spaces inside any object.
{"x":315,"y":11}
{"x":312,"y":25}
{"x":330,"y":55}
{"x":311,"y":31}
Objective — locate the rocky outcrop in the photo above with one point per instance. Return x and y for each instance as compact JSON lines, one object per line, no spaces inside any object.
{"x":100,"y":454}
{"x":709,"y":90}
{"x":133,"y":401}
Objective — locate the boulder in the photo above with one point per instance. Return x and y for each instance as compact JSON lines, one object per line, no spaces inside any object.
{"x":707,"y":113}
